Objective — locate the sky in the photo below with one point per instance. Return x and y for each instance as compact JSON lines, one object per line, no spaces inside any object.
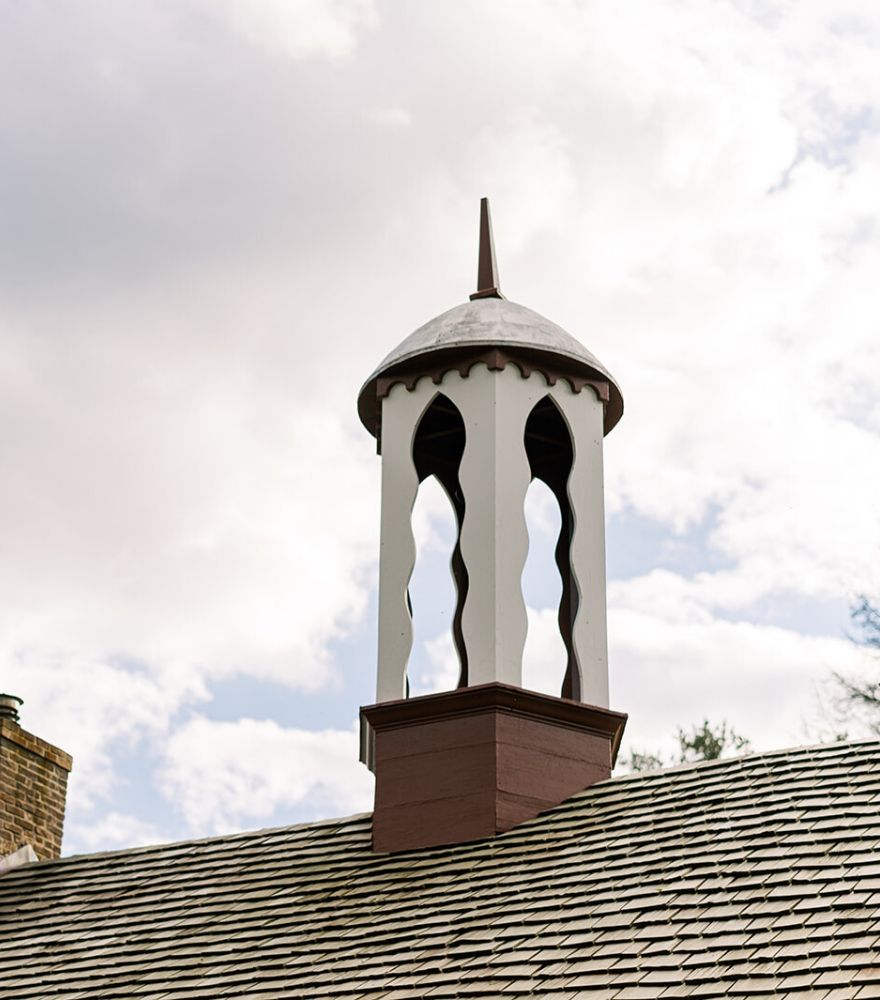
{"x":217,"y":216}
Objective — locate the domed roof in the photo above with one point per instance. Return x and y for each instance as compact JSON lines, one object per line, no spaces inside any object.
{"x":467,"y":333}
{"x":489,"y":323}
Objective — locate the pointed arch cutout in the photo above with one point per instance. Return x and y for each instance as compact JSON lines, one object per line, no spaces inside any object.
{"x":438,"y":446}
{"x":438,"y":443}
{"x":550,"y":450}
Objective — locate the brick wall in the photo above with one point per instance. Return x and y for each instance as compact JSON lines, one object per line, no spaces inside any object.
{"x":33,"y":790}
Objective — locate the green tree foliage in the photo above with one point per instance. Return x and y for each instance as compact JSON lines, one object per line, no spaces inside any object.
{"x":703,"y":742}
{"x":639,"y":761}
{"x":866,"y":618}
{"x":706,"y":742}
{"x":862,"y":694}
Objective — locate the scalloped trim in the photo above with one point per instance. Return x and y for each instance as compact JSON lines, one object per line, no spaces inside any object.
{"x":495,"y":360}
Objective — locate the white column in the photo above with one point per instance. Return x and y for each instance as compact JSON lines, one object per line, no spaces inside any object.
{"x":584,"y":413}
{"x":401,"y":412}
{"x":494,"y":477}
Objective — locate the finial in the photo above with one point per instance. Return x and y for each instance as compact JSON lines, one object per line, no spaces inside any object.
{"x":487,"y":269}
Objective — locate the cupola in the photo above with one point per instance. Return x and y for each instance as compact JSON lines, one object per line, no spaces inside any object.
{"x":487,"y":397}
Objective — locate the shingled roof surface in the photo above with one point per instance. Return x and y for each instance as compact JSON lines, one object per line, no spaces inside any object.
{"x":752,"y":877}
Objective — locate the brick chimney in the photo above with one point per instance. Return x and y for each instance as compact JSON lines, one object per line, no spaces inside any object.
{"x":33,"y":787}
{"x":485,"y":398}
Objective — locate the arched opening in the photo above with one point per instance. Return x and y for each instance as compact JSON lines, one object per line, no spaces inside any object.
{"x":438,"y":446}
{"x":433,"y":664}
{"x":545,"y":658}
{"x":551,"y":453}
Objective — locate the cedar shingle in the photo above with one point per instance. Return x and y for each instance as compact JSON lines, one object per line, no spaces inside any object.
{"x":756,"y":877}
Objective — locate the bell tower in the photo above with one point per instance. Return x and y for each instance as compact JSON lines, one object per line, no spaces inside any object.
{"x":486,"y":397}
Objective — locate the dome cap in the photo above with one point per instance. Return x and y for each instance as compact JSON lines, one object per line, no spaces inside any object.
{"x":493,"y":330}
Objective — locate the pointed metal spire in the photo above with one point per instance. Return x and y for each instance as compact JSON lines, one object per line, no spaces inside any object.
{"x":487,"y":269}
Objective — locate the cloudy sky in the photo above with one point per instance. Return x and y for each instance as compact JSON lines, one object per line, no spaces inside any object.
{"x":216,"y":216}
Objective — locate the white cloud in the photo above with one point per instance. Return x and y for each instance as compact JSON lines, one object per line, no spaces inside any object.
{"x":391,"y":118}
{"x":227,"y":775}
{"x":524,"y":162}
{"x":433,"y":519}
{"x":673,"y":663}
{"x":748,"y":368}
{"x":443,"y":667}
{"x":542,"y":514}
{"x":302,"y":28}
{"x":112,"y":830}
{"x":180,"y":509}
{"x":544,"y":656}
{"x":92,"y":709}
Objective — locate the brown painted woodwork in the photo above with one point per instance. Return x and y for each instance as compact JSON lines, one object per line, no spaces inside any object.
{"x":472,"y":763}
{"x":488,"y":285}
{"x":438,"y":362}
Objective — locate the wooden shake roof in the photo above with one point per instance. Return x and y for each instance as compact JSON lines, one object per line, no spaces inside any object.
{"x":753,"y":877}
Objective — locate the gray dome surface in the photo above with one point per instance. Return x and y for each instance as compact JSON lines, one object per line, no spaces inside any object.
{"x":489,"y":322}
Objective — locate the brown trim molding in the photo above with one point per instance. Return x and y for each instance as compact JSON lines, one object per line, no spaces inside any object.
{"x":506,"y":697}
{"x":495,"y":359}
{"x":528,"y":360}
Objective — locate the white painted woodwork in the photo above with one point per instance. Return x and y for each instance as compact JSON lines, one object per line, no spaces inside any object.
{"x":494,"y":476}
{"x":401,"y":412}
{"x":584,"y":414}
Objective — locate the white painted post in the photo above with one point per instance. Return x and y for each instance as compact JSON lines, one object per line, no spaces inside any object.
{"x":584,"y":413}
{"x":401,"y":412}
{"x":494,"y":477}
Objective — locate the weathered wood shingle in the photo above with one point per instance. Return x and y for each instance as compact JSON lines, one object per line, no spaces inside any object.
{"x":753,"y":877}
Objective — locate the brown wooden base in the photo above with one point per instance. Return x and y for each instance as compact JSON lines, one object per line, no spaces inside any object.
{"x":471,"y":763}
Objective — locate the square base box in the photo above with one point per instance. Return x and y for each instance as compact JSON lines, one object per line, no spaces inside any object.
{"x":467,"y":764}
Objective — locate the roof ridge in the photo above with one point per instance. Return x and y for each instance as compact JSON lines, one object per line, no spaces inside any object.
{"x":215,"y":838}
{"x":799,"y":750}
